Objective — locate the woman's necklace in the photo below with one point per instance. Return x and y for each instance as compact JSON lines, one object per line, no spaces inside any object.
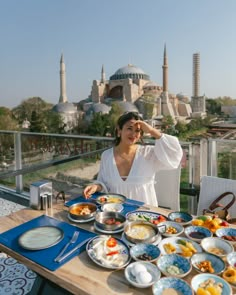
{"x":129,"y":158}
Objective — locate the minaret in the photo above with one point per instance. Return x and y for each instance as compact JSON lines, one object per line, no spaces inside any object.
{"x":63,"y":96}
{"x":165,"y":71}
{"x":198,"y":102}
{"x":196,"y":74}
{"x":165,"y":97}
{"x":103,"y":76}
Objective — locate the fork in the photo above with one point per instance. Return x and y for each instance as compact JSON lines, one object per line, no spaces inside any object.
{"x":72,"y":241}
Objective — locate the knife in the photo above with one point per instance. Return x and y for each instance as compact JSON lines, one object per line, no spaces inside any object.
{"x":72,"y":250}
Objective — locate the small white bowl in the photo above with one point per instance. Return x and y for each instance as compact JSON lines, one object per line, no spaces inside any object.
{"x":163,"y":227}
{"x":135,"y":272}
{"x":213,"y":242}
{"x":112,"y":207}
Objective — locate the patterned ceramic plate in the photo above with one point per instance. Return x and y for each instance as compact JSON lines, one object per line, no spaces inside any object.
{"x":115,"y":257}
{"x":171,"y":283}
{"x":179,"y":245}
{"x":149,"y":216}
{"x":41,"y":237}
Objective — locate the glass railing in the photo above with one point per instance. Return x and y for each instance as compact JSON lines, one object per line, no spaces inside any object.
{"x":27,"y":157}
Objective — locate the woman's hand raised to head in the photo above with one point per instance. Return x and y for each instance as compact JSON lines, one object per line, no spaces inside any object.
{"x":149,"y":129}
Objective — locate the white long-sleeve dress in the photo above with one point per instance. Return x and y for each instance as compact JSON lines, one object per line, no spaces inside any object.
{"x":139,"y":184}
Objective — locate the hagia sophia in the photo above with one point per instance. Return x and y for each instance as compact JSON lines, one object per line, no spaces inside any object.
{"x":131,"y":88}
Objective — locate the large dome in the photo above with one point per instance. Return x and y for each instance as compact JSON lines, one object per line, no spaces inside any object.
{"x":65,"y":107}
{"x":129,"y":71}
{"x":127,"y":106}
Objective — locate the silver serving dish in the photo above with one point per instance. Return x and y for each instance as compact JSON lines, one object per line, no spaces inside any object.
{"x":141,"y":232}
{"x":75,"y":211}
{"x":110,"y":220}
{"x":110,"y":198}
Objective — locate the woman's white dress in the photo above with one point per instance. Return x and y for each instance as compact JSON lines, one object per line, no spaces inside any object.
{"x":139,"y":184}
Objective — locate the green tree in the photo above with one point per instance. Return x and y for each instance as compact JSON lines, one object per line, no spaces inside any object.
{"x":98,"y":125}
{"x":7,"y":120}
{"x":36,"y":123}
{"x":25,"y":109}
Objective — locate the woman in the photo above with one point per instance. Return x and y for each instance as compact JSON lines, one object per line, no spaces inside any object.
{"x":129,"y":168}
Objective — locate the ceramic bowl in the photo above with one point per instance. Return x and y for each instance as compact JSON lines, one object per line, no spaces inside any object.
{"x":197,"y":233}
{"x":142,"y":274}
{"x":180,"y":217}
{"x":76,"y":211}
{"x":147,"y":252}
{"x":174,"y":265}
{"x":112,"y":207}
{"x":217,"y":263}
{"x":177,"y":284}
{"x":227,"y":233}
{"x":231,"y":259}
{"x":200,"y":278}
{"x":211,"y":245}
{"x":141,"y":232}
{"x":110,"y":220}
{"x":166,"y":227}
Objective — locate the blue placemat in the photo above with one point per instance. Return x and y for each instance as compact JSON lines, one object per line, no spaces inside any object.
{"x":45,"y":257}
{"x":133,"y":204}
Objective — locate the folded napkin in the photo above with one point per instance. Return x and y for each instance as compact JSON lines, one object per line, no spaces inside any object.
{"x":45,"y":257}
{"x":131,"y":206}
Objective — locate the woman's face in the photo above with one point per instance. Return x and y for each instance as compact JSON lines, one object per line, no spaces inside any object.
{"x":130,"y":132}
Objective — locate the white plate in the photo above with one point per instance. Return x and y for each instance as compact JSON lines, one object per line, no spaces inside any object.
{"x":174,"y":240}
{"x":132,"y":244}
{"x":41,"y":237}
{"x":107,"y":231}
{"x":80,"y":220}
{"x":123,"y":250}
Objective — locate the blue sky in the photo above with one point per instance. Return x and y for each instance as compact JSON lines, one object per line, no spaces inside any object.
{"x":92,"y":33}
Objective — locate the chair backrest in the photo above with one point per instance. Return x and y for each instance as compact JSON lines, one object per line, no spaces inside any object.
{"x":167,"y":188}
{"x":212,"y":187}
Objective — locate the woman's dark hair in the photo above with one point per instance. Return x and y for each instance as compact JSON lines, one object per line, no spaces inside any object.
{"x":121,"y":122}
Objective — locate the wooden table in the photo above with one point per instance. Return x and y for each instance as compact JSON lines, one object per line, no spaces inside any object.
{"x":80,"y":275}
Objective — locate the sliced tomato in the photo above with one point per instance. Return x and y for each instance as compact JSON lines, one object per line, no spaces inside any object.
{"x":155,"y":221}
{"x":111,"y":242}
{"x":112,"y":253}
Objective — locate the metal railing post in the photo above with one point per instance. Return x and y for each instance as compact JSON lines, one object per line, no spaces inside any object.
{"x":18,"y":161}
{"x":212,"y":159}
